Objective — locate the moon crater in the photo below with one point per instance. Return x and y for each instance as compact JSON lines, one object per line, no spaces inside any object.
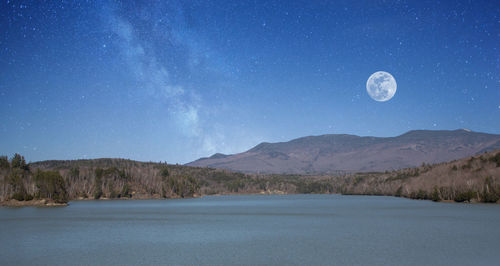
{"x":381,"y":86}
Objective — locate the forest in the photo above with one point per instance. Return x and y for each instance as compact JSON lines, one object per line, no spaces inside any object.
{"x":473,"y":179}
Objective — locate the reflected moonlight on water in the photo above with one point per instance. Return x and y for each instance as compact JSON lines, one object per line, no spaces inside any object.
{"x":381,"y":86}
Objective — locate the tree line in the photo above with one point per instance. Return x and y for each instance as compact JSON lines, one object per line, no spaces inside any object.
{"x":471,"y":179}
{"x":19,"y":182}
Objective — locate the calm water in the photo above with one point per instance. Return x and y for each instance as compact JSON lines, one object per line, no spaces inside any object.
{"x":250,"y":230}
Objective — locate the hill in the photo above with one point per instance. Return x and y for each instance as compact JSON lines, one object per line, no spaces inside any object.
{"x":62,"y":181}
{"x":475,"y":178}
{"x":333,"y":154}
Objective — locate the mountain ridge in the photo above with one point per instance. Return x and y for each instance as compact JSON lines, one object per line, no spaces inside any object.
{"x":331,"y":153}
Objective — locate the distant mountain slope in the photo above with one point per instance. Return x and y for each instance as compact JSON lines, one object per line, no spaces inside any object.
{"x":350,"y":153}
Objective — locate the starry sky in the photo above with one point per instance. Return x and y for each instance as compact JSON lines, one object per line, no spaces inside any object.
{"x":177,"y":80}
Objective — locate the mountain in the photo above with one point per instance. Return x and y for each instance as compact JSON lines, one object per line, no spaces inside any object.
{"x":349,"y":153}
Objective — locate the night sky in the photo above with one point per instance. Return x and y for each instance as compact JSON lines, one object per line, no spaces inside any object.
{"x":176,"y":80}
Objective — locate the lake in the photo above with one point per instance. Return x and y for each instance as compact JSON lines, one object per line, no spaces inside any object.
{"x":253,"y":230}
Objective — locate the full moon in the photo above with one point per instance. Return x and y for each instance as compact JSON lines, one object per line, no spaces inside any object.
{"x":381,"y":86}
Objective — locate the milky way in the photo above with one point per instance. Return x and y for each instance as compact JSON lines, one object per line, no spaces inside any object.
{"x":176,"y":80}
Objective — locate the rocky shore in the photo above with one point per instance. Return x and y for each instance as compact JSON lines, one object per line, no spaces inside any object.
{"x":31,"y":203}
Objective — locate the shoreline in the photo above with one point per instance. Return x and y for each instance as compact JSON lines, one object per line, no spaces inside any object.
{"x":31,"y":203}
{"x":48,"y":203}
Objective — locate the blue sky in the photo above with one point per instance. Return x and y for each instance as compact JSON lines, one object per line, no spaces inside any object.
{"x":176,"y":80}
